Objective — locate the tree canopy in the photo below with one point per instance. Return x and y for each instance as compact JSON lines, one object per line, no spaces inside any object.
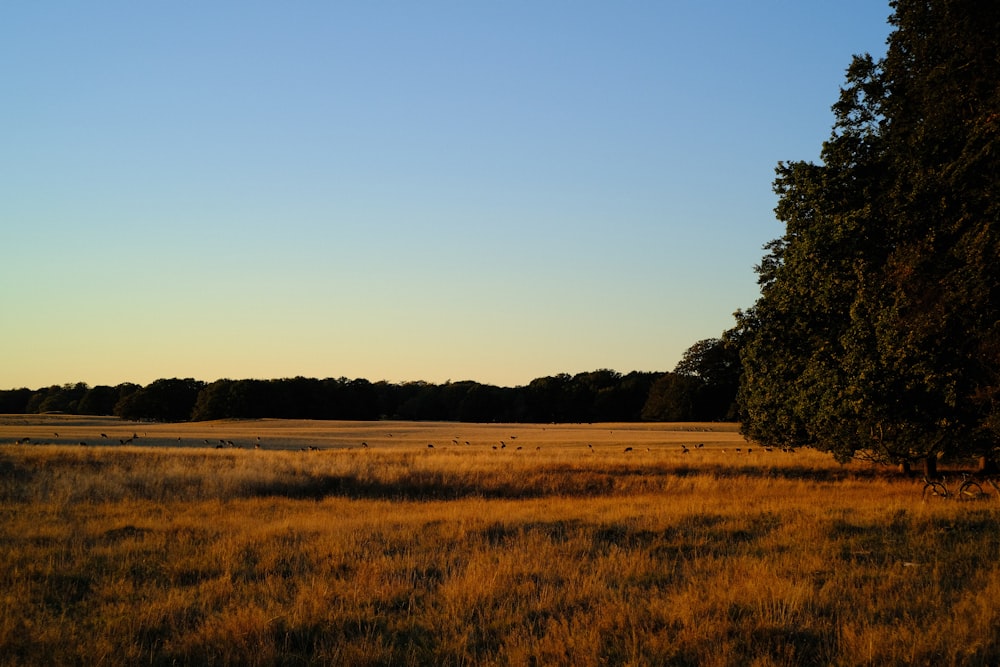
{"x":702,"y":387}
{"x":601,"y":395}
{"x":877,"y":327}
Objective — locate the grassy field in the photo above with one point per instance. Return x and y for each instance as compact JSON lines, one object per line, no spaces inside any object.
{"x":530,"y":545}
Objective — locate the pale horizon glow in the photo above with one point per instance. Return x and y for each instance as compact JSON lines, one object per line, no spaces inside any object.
{"x":396,"y":191}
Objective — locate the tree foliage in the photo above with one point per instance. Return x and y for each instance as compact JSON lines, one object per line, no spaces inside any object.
{"x":877,"y":324}
{"x":162,"y":400}
{"x":601,"y":395}
{"x":702,"y":387}
{"x":673,"y":398}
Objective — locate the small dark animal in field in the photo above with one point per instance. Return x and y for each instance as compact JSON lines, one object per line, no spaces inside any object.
{"x":104,"y":435}
{"x":684,"y":449}
{"x":739,"y":449}
{"x":628,"y":449}
{"x":363,"y":444}
{"x":430,"y":446}
{"x":83,"y":444}
{"x":701,"y":444}
{"x":56,"y":434}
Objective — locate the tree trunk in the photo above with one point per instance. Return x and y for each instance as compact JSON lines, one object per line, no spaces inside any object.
{"x":930,"y":466}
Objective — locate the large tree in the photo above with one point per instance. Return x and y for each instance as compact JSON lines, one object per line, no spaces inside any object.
{"x":878,"y":319}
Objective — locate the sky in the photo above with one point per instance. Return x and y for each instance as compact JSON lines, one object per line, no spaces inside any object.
{"x":439,"y":190}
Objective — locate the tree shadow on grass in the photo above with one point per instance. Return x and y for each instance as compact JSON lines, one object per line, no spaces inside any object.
{"x":21,"y":483}
{"x":786,"y":472}
{"x":349,"y":486}
{"x":579,"y":482}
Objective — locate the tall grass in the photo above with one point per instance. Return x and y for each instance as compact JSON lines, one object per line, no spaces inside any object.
{"x":469,"y":556}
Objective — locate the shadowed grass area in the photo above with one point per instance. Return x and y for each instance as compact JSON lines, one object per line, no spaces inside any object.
{"x":462,"y":556}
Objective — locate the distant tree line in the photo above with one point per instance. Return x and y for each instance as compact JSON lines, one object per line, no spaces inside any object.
{"x":702,"y":388}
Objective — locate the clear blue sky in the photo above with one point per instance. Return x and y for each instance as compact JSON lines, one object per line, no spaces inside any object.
{"x":485,"y":190}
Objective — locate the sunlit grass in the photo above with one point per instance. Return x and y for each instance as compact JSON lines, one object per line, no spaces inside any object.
{"x":465,"y":555}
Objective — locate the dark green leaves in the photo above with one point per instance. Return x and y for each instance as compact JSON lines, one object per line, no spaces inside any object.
{"x":879,"y":310}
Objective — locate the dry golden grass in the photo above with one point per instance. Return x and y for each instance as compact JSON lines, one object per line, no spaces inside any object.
{"x":397,"y":553}
{"x":295,"y":434}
